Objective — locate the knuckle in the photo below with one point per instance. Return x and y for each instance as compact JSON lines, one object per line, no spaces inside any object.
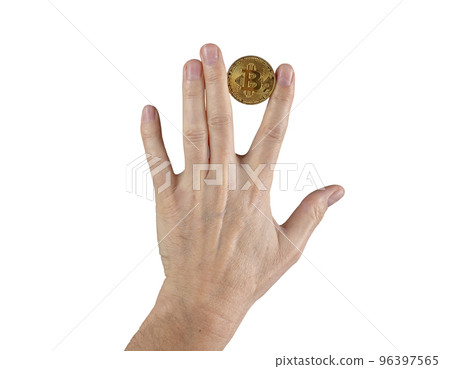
{"x":219,"y":120}
{"x":214,"y":75}
{"x":276,"y":132}
{"x":192,"y":91}
{"x":196,"y":135}
{"x":316,"y":214}
{"x":147,"y":131}
{"x":284,"y":97}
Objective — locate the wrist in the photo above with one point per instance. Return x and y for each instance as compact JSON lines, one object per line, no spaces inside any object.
{"x":179,"y":322}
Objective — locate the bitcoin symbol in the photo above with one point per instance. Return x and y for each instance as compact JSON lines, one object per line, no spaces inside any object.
{"x":252,"y":80}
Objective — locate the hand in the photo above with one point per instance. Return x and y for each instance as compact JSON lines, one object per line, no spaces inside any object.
{"x":220,"y":246}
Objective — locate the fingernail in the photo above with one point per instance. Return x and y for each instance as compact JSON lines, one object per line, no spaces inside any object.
{"x":335,"y":196}
{"x":285,"y":75}
{"x":148,"y":114}
{"x":193,"y":70}
{"x":210,"y":53}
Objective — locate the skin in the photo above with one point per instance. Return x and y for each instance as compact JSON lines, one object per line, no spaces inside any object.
{"x":221,"y":249}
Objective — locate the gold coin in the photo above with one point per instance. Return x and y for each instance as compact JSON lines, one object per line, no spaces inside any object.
{"x":251,"y":80}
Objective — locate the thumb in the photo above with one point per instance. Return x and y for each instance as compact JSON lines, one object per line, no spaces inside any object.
{"x":300,"y":225}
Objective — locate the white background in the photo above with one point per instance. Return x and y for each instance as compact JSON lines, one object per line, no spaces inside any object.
{"x":377,"y":124}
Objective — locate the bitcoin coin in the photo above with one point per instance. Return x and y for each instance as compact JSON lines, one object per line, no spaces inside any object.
{"x":251,"y":80}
